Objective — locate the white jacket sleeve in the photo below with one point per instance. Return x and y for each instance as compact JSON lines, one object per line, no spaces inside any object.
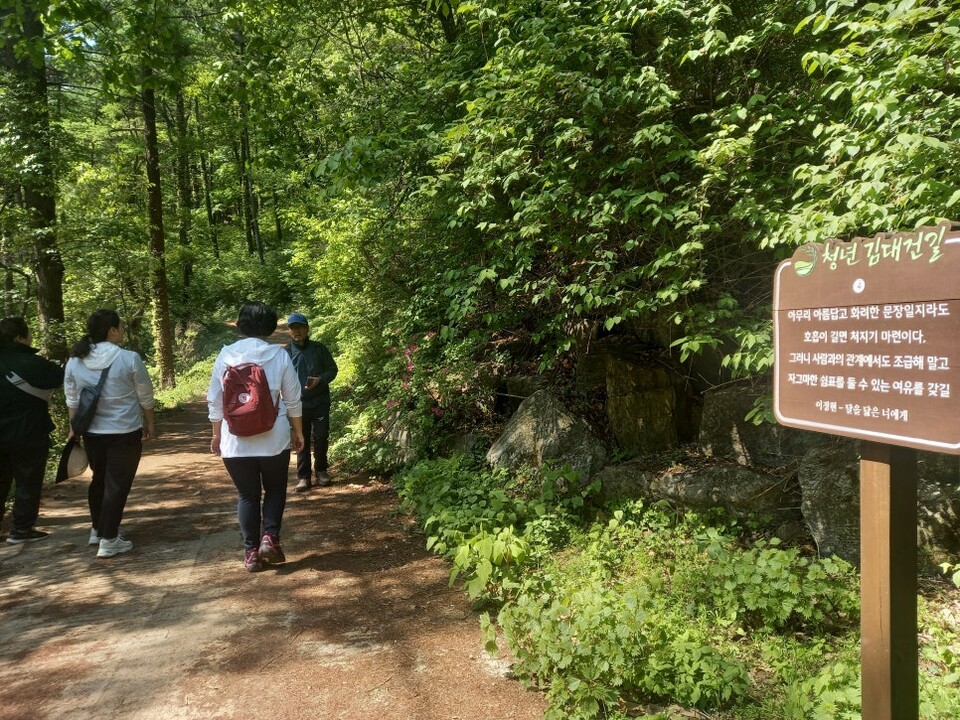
{"x":142,"y":383}
{"x":215,"y":392}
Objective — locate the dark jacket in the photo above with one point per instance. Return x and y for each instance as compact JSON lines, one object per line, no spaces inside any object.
{"x":313,"y":360}
{"x":23,"y":417}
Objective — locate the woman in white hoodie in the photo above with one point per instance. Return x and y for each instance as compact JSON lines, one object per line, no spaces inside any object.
{"x":124,"y":418}
{"x":257,"y":463}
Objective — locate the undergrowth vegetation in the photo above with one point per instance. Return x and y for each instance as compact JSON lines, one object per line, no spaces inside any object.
{"x":614,"y":610}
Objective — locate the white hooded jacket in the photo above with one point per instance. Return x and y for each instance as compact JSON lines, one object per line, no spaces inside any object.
{"x":284,"y":385}
{"x":127,"y":389}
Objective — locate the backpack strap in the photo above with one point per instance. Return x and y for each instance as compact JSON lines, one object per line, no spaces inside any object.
{"x":103,"y":377}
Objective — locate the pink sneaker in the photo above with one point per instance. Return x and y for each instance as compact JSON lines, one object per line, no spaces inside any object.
{"x":271,"y":550}
{"x":251,"y":560}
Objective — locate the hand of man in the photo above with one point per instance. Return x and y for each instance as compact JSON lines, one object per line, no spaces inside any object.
{"x":312,"y":382}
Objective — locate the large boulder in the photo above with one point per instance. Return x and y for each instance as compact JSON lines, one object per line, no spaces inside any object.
{"x":395,"y":431}
{"x":938,"y":497}
{"x":725,"y":432}
{"x":641,"y":406}
{"x":651,"y":405}
{"x":830,"y":489}
{"x":519,"y":388}
{"x":739,"y":490}
{"x":626,"y":481}
{"x":830,"y":485}
{"x":542,"y":431}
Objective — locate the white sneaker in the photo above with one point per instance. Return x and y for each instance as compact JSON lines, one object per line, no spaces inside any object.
{"x":109,"y":548}
{"x":95,"y":537}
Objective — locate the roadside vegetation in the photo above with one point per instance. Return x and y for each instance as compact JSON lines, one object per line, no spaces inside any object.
{"x":637,"y":610}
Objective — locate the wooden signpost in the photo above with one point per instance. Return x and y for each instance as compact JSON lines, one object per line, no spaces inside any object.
{"x":867,"y":345}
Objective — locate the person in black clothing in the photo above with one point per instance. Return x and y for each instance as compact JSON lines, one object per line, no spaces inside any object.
{"x":316,"y":369}
{"x":26,"y":386}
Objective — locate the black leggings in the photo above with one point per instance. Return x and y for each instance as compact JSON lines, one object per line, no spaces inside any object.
{"x":251,"y":475}
{"x":113,"y":459}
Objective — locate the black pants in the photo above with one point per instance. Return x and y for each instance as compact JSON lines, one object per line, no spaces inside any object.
{"x":113,"y":461}
{"x":24,"y":464}
{"x":316,"y":424}
{"x":251,"y":475}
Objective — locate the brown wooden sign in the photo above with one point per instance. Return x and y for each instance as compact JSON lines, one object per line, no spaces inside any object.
{"x":867,"y":338}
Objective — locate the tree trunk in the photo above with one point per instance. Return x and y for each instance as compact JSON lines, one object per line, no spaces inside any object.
{"x":243,"y":209}
{"x":276,"y":219}
{"x":448,"y":21}
{"x":163,"y":332}
{"x":257,"y":236}
{"x":185,"y":198}
{"x":249,"y":212}
{"x":205,"y":174}
{"x":250,"y":225}
{"x":6,"y":261}
{"x":28,"y":93}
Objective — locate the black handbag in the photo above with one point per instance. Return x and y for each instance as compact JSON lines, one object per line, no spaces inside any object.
{"x":89,"y":397}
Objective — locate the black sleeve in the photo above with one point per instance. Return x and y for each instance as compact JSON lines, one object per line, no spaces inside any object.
{"x":42,"y":373}
{"x":328,"y":366}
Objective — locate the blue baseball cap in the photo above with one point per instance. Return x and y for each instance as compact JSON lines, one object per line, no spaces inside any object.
{"x":297,"y":318}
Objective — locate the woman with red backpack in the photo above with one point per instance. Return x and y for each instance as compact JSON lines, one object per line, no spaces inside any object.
{"x":253,"y":402}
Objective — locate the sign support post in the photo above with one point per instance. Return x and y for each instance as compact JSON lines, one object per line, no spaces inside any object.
{"x":888,"y":591}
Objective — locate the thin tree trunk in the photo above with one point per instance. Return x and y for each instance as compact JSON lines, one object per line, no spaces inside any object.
{"x":257,"y":235}
{"x":6,"y":259}
{"x":276,"y":219}
{"x":249,"y":216}
{"x":185,"y":198}
{"x":205,"y":174}
{"x":246,"y":184}
{"x":163,"y":331}
{"x":28,"y":92}
{"x":242,"y":209}
{"x":448,"y":21}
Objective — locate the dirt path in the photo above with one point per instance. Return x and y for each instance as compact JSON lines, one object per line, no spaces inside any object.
{"x":359,"y":624}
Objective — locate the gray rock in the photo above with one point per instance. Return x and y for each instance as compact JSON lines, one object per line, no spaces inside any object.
{"x":543,"y":431}
{"x":626,"y":481}
{"x":726,"y":433}
{"x":641,"y":406}
{"x":830,"y":485}
{"x":830,"y":482}
{"x":742,"y":492}
{"x":938,"y":514}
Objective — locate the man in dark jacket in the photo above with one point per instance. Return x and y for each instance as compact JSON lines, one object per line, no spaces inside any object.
{"x":316,"y":368}
{"x":26,"y":383}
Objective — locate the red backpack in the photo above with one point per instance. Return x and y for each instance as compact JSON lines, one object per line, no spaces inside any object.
{"x":248,"y":405}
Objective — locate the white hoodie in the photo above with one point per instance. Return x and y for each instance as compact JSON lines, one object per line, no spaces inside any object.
{"x":127,"y":388}
{"x":284,"y":384}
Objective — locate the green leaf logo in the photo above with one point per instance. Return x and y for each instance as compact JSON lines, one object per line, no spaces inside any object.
{"x":805,"y":265}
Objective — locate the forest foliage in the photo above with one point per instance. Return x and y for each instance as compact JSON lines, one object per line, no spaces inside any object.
{"x":506,"y":179}
{"x":453,"y":187}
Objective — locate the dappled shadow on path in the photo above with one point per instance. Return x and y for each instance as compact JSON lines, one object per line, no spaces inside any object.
{"x":360,"y":613}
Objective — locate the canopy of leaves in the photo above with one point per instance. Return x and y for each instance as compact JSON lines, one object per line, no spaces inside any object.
{"x":516,"y":176}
